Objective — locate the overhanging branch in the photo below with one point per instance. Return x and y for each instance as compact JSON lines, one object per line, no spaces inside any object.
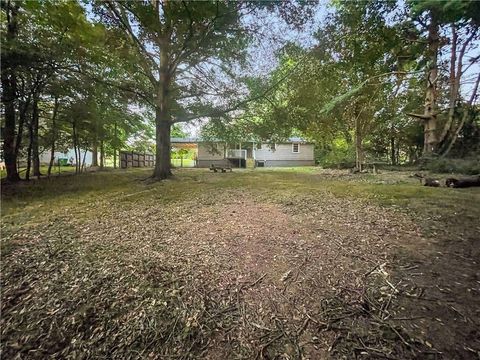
{"x":220,"y":112}
{"x":418,"y":116}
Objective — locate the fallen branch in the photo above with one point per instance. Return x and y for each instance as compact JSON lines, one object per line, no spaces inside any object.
{"x":426,"y":181}
{"x":463,"y":183}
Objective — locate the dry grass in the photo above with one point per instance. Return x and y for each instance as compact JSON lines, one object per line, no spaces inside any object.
{"x":253,"y":264}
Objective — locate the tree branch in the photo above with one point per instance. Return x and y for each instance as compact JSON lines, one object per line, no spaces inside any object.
{"x":183,"y":53}
{"x":219,"y":112}
{"x":419,"y":116}
{"x":125,"y":24}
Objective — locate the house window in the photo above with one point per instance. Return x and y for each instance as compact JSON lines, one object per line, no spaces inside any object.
{"x":295,"y":148}
{"x":273,"y":146}
{"x":259,"y":146}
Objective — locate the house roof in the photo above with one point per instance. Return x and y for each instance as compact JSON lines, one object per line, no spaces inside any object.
{"x":193,"y":140}
{"x":189,"y":140}
{"x":296,"y":139}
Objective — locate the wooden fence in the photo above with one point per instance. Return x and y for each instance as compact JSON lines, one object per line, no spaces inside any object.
{"x":129,"y":159}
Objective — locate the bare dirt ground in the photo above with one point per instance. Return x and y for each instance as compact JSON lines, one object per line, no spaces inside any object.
{"x":250,"y":265}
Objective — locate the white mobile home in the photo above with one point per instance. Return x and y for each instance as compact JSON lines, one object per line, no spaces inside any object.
{"x":70,"y":154}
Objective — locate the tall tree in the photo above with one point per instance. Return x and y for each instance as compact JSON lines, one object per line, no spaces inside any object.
{"x":452,"y":17}
{"x":9,"y":64}
{"x":186,"y":52}
{"x":338,"y":88}
{"x":45,"y":42}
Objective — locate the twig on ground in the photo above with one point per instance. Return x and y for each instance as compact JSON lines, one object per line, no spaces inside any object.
{"x":256,"y":281}
{"x":260,"y":353}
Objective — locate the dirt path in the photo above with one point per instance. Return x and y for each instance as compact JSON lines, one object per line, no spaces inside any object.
{"x":238,"y":274}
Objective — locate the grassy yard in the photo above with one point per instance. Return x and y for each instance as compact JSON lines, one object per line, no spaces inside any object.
{"x":267,"y":263}
{"x":43,"y":170}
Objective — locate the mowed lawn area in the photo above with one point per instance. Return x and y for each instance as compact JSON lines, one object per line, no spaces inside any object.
{"x":254,"y":264}
{"x":44,"y":170}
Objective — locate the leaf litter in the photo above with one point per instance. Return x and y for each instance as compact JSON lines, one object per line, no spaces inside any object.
{"x":223,"y":274}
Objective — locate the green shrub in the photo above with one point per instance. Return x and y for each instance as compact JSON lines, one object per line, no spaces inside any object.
{"x":338,"y":155}
{"x":468,"y":166}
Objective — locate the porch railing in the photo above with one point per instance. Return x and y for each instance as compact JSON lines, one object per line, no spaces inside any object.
{"x":236,"y":154}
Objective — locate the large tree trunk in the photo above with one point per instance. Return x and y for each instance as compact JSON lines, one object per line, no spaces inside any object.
{"x":54,"y":135}
{"x":430,"y":107}
{"x":8,"y":79}
{"x":35,"y":150}
{"x":162,"y":119}
{"x":454,"y":83}
{"x":162,"y":155}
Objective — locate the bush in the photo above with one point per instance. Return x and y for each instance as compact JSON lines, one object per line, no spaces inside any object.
{"x":336,"y":160}
{"x":468,"y":166}
{"x":339,"y":155}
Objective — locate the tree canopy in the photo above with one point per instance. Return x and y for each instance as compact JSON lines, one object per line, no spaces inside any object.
{"x":373,"y":80}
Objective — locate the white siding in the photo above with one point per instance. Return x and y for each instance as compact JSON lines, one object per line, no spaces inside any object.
{"x":283,"y":155}
{"x":45,"y":156}
{"x":205,"y":152}
{"x":285,"y":152}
